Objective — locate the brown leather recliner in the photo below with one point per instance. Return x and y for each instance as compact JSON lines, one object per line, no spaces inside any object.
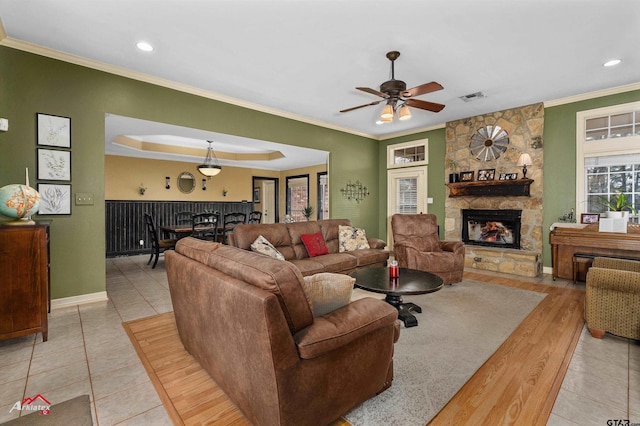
{"x":417,"y":245}
{"x":245,"y":318}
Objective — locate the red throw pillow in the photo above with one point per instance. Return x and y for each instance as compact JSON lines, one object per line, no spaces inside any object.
{"x":314,"y":243}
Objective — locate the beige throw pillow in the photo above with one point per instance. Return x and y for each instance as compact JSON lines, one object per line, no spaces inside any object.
{"x":351,"y":238}
{"x":327,"y":292}
{"x":263,"y":246}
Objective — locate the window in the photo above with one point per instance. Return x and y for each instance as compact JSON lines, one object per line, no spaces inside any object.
{"x":412,"y":153}
{"x":323,"y":196}
{"x":607,"y":156}
{"x":297,"y":196}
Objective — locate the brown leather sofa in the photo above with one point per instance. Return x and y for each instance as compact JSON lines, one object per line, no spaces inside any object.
{"x":286,"y":238}
{"x":417,"y":245}
{"x":245,"y":318}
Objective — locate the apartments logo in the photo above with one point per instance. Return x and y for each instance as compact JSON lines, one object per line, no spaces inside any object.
{"x":37,"y":403}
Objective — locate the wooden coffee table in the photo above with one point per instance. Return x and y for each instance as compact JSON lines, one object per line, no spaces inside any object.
{"x":410,"y":281}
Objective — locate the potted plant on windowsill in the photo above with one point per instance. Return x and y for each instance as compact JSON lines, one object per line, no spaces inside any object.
{"x":307,"y":212}
{"x":619,"y":206}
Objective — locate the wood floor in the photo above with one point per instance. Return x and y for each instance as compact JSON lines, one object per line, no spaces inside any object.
{"x":517,"y":385}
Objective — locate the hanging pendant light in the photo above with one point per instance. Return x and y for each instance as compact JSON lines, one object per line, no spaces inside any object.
{"x":210,"y":167}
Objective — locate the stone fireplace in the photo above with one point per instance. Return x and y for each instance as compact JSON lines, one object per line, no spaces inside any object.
{"x":524,"y":127}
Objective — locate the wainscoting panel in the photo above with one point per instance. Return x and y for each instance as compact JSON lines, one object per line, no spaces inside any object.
{"x":125,"y":227}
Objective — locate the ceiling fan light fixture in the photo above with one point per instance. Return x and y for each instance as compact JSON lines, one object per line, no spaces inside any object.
{"x":211,"y":166}
{"x":387,"y":113}
{"x":404,"y":113}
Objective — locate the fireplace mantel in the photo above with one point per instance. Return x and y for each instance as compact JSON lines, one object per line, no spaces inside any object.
{"x":491,"y":188}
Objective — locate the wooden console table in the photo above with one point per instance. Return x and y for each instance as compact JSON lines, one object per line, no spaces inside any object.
{"x":565,"y":242}
{"x":491,"y":188}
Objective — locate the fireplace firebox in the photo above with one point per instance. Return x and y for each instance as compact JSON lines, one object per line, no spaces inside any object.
{"x":493,"y":228}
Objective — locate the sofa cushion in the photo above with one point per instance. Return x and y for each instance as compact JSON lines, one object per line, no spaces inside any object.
{"x":276,"y":233}
{"x":309,"y":265}
{"x":337,"y":262}
{"x":280,"y":278}
{"x":330,"y":231}
{"x":296,"y":230}
{"x":327,"y":292}
{"x":263,"y":246}
{"x":369,"y":256}
{"x":314,"y":243}
{"x":352,"y":238}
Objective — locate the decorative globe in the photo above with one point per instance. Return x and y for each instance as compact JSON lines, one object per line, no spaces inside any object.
{"x":19,"y":202}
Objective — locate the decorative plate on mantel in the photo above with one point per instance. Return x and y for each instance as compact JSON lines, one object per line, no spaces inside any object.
{"x":489,"y":142}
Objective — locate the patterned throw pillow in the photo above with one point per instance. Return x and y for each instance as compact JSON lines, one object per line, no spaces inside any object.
{"x":314,"y":243}
{"x":327,"y":292}
{"x":263,"y":246}
{"x":351,"y":238}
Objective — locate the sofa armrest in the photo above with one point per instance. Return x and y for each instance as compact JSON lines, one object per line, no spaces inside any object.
{"x":613,"y":279}
{"x":344,"y":325}
{"x":456,"y":247}
{"x":376,"y":243}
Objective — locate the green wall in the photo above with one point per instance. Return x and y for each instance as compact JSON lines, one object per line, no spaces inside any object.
{"x":30,"y":83}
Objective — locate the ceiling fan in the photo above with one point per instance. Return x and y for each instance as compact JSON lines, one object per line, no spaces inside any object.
{"x":398,"y":98}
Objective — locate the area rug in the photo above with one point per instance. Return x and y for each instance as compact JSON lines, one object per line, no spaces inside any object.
{"x":460,"y":328}
{"x":76,"y":412}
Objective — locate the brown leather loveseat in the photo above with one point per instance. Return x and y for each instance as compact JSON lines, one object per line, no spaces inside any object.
{"x":286,"y":237}
{"x":245,"y":318}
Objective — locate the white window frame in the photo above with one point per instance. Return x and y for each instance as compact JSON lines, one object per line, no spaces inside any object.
{"x":411,"y":144}
{"x":599,"y":148}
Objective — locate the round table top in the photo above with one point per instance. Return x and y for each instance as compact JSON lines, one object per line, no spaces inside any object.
{"x":409,"y":281}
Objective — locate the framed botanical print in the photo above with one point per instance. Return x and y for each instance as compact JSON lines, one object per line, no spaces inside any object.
{"x":54,"y":164}
{"x":54,"y":198}
{"x":54,"y":130}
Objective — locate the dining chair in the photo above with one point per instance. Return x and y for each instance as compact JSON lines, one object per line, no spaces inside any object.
{"x":183,"y":218}
{"x":255,"y":217}
{"x":157,"y":245}
{"x":230,"y":221}
{"x":204,"y":226}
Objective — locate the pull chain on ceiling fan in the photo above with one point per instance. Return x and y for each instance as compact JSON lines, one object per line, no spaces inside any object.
{"x":398,"y":98}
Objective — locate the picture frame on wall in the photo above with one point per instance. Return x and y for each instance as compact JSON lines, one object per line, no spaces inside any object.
{"x":54,"y":130}
{"x":589,"y":217}
{"x":54,"y":164}
{"x":466,"y":176}
{"x":486,"y":174}
{"x":256,"y":194}
{"x":54,"y":198}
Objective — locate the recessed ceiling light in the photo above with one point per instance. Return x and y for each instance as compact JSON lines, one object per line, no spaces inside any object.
{"x":144,"y":46}
{"x":612,"y":63}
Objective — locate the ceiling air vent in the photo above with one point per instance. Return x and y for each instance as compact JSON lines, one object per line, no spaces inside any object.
{"x":472,"y":96}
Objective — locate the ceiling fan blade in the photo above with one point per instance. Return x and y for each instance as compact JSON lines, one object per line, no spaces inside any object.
{"x":429,"y":106}
{"x":373,"y":92}
{"x":361,"y":106}
{"x":422,"y":89}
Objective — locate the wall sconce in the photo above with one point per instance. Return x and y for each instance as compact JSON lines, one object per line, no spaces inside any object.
{"x":224,"y":192}
{"x":524,"y":161}
{"x":204,"y":184}
{"x":355,"y":191}
{"x":142,"y":189}
{"x":167,"y":182}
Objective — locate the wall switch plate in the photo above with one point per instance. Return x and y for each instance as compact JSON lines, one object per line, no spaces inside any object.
{"x":84,"y":199}
{"x":4,"y":125}
{"x":429,"y":200}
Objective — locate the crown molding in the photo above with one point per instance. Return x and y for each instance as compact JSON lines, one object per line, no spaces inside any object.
{"x":124,"y":72}
{"x":592,"y":95}
{"x":411,"y":132}
{"x":3,"y":33}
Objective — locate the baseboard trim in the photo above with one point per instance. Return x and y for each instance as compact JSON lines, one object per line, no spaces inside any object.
{"x":547,"y":270}
{"x":83,"y":299}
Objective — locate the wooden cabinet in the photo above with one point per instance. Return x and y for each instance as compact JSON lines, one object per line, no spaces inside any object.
{"x":24,"y":280}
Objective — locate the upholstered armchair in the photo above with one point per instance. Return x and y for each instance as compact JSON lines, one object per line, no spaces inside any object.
{"x":416,"y":245}
{"x":613,"y":298}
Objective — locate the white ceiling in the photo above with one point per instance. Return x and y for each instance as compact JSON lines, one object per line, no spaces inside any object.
{"x":304,"y":58}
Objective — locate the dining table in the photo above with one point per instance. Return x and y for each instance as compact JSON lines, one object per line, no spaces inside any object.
{"x":180,"y":230}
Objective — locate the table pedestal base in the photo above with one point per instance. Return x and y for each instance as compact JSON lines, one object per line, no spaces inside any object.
{"x":404,"y":309}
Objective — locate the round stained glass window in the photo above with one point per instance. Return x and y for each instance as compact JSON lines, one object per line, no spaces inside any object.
{"x":488,"y":143}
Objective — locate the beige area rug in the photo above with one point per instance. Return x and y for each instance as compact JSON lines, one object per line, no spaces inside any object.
{"x":74,"y":412}
{"x":460,"y":328}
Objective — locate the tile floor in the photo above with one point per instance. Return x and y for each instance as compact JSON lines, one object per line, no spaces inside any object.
{"x":88,"y":352}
